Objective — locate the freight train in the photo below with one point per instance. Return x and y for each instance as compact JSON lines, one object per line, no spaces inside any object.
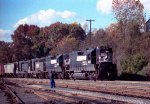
{"x":94,"y":63}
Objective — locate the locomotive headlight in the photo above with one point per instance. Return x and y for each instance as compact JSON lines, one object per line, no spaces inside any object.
{"x":37,"y":65}
{"x":84,"y":63}
{"x":89,"y":62}
{"x":103,"y":57}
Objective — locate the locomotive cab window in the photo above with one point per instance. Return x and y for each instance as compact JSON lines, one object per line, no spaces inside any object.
{"x":80,"y":53}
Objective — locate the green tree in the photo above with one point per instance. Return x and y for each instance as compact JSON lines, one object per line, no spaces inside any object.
{"x":134,"y":63}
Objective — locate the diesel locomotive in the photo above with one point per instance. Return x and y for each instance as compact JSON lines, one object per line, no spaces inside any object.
{"x":93,"y":63}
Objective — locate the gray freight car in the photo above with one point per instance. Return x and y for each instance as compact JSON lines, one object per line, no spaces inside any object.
{"x":11,"y":69}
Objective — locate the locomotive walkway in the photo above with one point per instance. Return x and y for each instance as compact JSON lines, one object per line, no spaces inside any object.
{"x":122,"y":91}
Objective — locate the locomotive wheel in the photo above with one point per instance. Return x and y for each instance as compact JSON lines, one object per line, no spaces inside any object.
{"x":97,"y":74}
{"x":26,"y":75}
{"x":71,"y":76}
{"x":60,"y":76}
{"x":86,"y":75}
{"x":63,"y":74}
{"x":46,"y":75}
{"x":29,"y":75}
{"x":91,"y":76}
{"x":37,"y":75}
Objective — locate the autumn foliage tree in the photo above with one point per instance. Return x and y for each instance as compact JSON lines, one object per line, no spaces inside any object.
{"x":130,"y":40}
{"x":66,"y":45}
{"x":5,"y":54}
{"x":23,"y":41}
{"x":129,"y":14}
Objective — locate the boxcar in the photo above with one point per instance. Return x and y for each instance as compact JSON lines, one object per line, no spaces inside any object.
{"x":1,"y":70}
{"x":11,"y":69}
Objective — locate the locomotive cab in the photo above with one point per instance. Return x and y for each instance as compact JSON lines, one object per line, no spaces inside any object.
{"x":104,"y":61}
{"x":64,"y":62}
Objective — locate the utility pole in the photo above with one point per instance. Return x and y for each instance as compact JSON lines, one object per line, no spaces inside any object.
{"x":90,"y":28}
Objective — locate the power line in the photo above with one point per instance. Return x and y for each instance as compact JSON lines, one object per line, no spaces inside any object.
{"x":90,"y":27}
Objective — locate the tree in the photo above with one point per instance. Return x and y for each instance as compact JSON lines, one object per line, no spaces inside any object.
{"x":99,"y":38}
{"x":66,"y":45}
{"x":58,"y":31}
{"x":23,"y":40}
{"x":129,"y":14}
{"x":134,"y":63}
{"x":5,"y":54}
{"x":55,"y":32}
{"x":113,"y":30}
{"x":76,"y":31}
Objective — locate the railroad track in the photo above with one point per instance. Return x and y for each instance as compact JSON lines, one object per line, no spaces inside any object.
{"x":59,"y":97}
{"x":26,"y":95}
{"x":91,"y":96}
{"x":125,"y":88}
{"x":13,"y":97}
{"x":72,"y":97}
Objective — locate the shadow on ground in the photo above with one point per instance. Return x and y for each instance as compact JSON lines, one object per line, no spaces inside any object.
{"x":133,"y":77}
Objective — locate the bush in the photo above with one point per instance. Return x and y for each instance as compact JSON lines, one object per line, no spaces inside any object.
{"x":133,"y":64}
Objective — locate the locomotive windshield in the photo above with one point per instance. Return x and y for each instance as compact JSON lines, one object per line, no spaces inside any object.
{"x":80,"y":53}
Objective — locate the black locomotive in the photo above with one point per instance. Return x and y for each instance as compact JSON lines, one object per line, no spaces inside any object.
{"x":94,"y":63}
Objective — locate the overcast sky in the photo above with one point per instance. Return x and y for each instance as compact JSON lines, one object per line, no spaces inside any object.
{"x":45,"y":12}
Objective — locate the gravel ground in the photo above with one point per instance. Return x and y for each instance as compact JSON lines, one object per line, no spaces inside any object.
{"x":26,"y":96}
{"x":100,"y":95}
{"x":55,"y":96}
{"x":128,"y":86}
{"x":3,"y":98}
